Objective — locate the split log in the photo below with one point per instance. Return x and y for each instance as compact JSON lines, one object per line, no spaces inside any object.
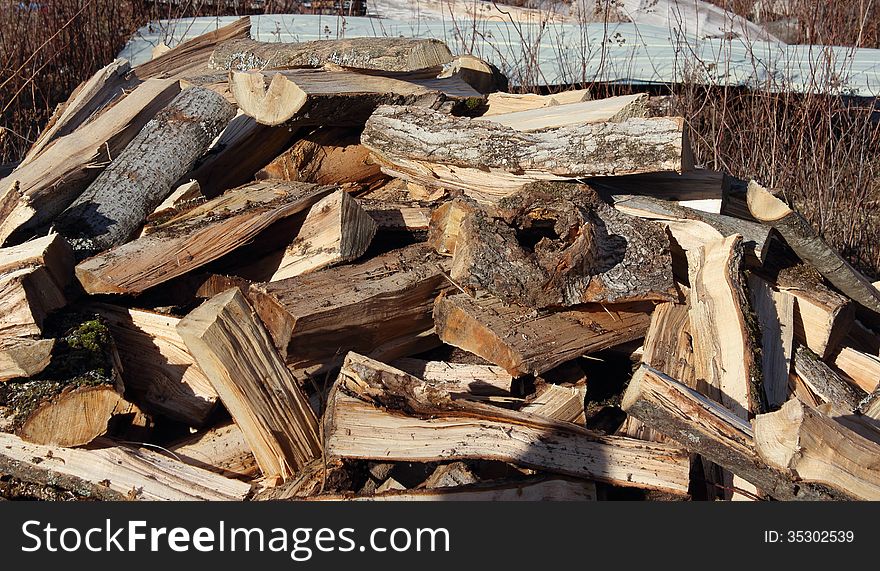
{"x":112,"y":208}
{"x":244,"y":147}
{"x":439,"y":428}
{"x":858,"y":423}
{"x":811,"y":248}
{"x":195,"y":237}
{"x":314,"y":318}
{"x":611,"y":109}
{"x":377,"y":54}
{"x":102,"y":90}
{"x":157,"y":368}
{"x":821,"y":318}
{"x":479,"y":74}
{"x":489,"y":161}
{"x":524,"y":341}
{"x":335,"y":98}
{"x":445,"y":224}
{"x":693,"y":228}
{"x":33,"y":276}
{"x":39,"y":190}
{"x":191,"y":58}
{"x":397,"y":217}
{"x":77,"y":415}
{"x":233,"y":348}
{"x":501,"y":103}
{"x":450,"y":476}
{"x":725,"y":334}
{"x":861,"y":368}
{"x":564,"y":403}
{"x":186,"y":196}
{"x":541,"y":489}
{"x":23,"y":358}
{"x":114,"y":473}
{"x":559,"y":245}
{"x":824,"y":382}
{"x":667,"y":347}
{"x":459,"y":378}
{"x":335,"y":230}
{"x":327,"y":156}
{"x":223,"y":450}
{"x":704,"y":427}
{"x":817,"y":450}
{"x":775,"y":313}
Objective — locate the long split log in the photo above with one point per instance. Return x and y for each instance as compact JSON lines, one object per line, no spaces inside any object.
{"x":112,"y":208}
{"x":824,"y":382}
{"x":490,"y":161}
{"x":40,"y":189}
{"x":705,"y":427}
{"x":378,"y":54}
{"x":230,"y":344}
{"x":448,"y":429}
{"x":524,"y":341}
{"x":613,"y":109}
{"x":114,"y":473}
{"x":196,"y":237}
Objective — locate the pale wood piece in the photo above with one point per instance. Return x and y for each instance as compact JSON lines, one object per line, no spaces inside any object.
{"x":524,"y":341}
{"x":775,"y":312}
{"x":555,"y":244}
{"x":76,"y":416}
{"x":821,"y":317}
{"x":157,"y":368}
{"x":861,"y":368}
{"x":368,"y":306}
{"x":502,"y":103}
{"x":114,"y":473}
{"x":705,"y":427}
{"x":612,"y":109}
{"x":477,"y":73}
{"x":191,"y":58}
{"x":859,"y":423}
{"x":811,"y":248}
{"x":458,"y":430}
{"x":114,"y":206}
{"x":222,"y":449}
{"x":330,"y":155}
{"x":377,"y":54}
{"x":397,"y":217}
{"x":541,"y":489}
{"x":489,"y":161}
{"x":334,"y":98}
{"x":195,"y":237}
{"x":23,"y":358}
{"x":558,"y":402}
{"x":233,"y":348}
{"x":445,"y":224}
{"x":39,"y":190}
{"x":722,"y":327}
{"x":450,"y":476}
{"x":335,"y":230}
{"x":667,"y":347}
{"x":186,"y":196}
{"x":824,"y":382}
{"x":390,"y":485}
{"x":50,"y":251}
{"x":478,"y":380}
{"x":102,"y":90}
{"x":814,"y":448}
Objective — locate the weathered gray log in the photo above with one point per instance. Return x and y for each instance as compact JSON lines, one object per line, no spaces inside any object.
{"x":811,"y":248}
{"x":112,"y":208}
{"x":378,"y":54}
{"x":490,"y":161}
{"x":556,"y":244}
{"x":824,"y":382}
{"x":705,"y":427}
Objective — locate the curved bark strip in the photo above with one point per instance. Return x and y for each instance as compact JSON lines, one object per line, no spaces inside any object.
{"x":110,"y":211}
{"x":811,"y":248}
{"x":375,"y":54}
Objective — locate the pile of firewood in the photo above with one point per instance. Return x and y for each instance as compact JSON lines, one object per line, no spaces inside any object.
{"x":356,"y":269}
